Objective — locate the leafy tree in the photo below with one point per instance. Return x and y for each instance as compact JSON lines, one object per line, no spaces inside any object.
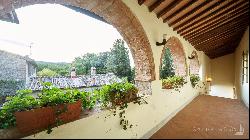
{"x":119,"y":62}
{"x":47,"y":72}
{"x":78,"y":63}
{"x":133,"y":74}
{"x":83,"y":64}
{"x":167,"y":69}
{"x":62,"y":69}
{"x":101,"y":62}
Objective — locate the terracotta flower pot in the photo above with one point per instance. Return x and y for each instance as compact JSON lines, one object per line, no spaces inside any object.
{"x":35,"y":119}
{"x":72,"y":113}
{"x":38,"y":119}
{"x":167,"y":86}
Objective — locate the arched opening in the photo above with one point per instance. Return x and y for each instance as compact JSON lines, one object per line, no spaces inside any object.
{"x":173,"y":64}
{"x":119,"y":15}
{"x":178,"y":56}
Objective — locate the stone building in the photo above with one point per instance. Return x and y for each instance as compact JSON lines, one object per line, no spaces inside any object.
{"x":16,"y":67}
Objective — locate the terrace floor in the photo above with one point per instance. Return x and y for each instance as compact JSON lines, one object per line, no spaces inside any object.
{"x":208,"y":117}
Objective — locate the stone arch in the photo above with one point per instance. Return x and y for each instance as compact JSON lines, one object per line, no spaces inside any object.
{"x":194,"y":65}
{"x":178,"y":55}
{"x":121,"y":17}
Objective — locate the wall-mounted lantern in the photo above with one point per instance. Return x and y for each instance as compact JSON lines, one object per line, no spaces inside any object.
{"x":164,"y":41}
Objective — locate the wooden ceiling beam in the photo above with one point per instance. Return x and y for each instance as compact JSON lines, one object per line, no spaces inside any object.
{"x":220,"y":48}
{"x":216,"y":21}
{"x":227,"y":46}
{"x":219,"y":37}
{"x":189,"y":13}
{"x":215,"y":14}
{"x":200,"y":14}
{"x":219,"y":54}
{"x":179,"y":10}
{"x":219,"y":30}
{"x":225,"y":22}
{"x":207,"y":47}
{"x":220,"y":51}
{"x":205,"y":38}
{"x":219,"y":41}
{"x":140,"y":2}
{"x":223,"y":49}
{"x":210,"y":40}
{"x":168,"y":8}
{"x":218,"y":33}
{"x":155,"y":5}
{"x":222,"y":40}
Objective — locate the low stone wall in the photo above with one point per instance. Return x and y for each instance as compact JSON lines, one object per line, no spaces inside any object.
{"x":35,"y":83}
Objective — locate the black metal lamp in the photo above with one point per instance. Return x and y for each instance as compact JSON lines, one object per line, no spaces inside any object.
{"x":163,"y":42}
{"x":192,"y":56}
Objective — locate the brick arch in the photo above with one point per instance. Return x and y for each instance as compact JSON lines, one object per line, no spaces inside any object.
{"x":178,"y":55}
{"x":194,"y":65}
{"x":121,"y":17}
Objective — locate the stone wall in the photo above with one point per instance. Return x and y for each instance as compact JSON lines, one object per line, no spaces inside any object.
{"x":12,"y":67}
{"x":31,"y":69}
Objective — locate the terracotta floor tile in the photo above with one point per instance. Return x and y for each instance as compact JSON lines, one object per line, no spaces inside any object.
{"x":208,"y":117}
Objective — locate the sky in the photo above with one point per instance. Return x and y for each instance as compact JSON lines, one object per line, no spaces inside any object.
{"x":56,"y":34}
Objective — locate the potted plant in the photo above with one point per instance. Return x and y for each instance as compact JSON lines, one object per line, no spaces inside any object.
{"x":173,"y":82}
{"x":23,"y":101}
{"x":118,"y":95}
{"x":52,"y":108}
{"x":194,"y":79}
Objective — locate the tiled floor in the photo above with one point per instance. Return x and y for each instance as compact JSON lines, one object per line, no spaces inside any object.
{"x":208,"y":117}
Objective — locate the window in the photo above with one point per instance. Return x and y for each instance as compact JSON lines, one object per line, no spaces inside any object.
{"x":245,"y":67}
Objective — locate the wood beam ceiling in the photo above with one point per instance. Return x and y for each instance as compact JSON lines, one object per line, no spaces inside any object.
{"x":168,"y":8}
{"x":229,"y":7}
{"x":219,"y":24}
{"x":155,"y":5}
{"x":209,"y":25}
{"x":179,"y":10}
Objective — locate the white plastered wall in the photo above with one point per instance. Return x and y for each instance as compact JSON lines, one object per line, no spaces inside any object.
{"x":242,"y":90}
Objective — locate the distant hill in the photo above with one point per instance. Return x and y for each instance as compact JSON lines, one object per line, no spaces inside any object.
{"x":62,"y":68}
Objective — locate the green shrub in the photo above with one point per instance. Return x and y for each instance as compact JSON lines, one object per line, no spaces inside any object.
{"x":47,"y":73}
{"x":173,"y":82}
{"x":194,"y":79}
{"x":88,"y":99}
{"x":117,"y":94}
{"x":21,"y":102}
{"x":52,"y":96}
